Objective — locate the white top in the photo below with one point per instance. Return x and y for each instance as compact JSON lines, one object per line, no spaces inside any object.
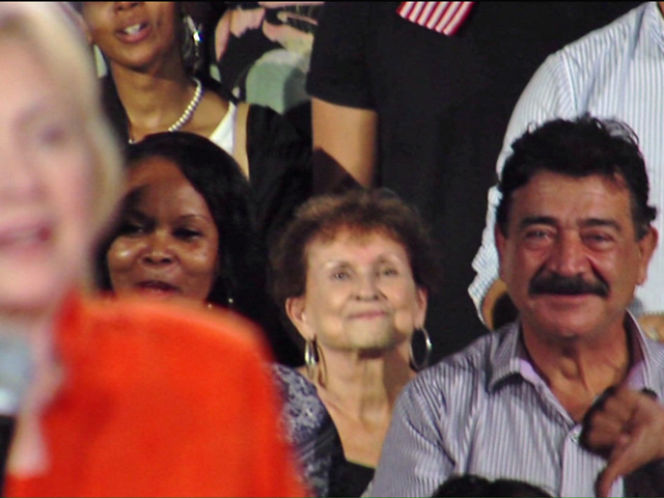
{"x":224,"y":133}
{"x":614,"y":72}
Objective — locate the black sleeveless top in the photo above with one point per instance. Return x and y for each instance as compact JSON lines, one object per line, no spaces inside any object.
{"x":350,"y":479}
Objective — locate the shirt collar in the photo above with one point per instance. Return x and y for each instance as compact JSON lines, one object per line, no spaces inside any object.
{"x":647,"y":370}
{"x":510,"y":358}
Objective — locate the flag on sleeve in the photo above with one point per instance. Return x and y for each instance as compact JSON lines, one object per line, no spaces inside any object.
{"x":442,"y":17}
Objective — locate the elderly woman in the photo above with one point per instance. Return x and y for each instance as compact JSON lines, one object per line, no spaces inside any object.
{"x":187,"y":230}
{"x":97,"y":389}
{"x":353,"y":273}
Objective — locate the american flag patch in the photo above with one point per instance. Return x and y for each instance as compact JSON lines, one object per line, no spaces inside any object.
{"x":442,"y":17}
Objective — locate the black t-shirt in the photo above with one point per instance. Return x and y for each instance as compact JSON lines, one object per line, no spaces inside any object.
{"x":443,"y":105}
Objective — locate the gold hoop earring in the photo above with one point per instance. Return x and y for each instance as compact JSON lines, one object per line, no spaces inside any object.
{"x":310,"y":357}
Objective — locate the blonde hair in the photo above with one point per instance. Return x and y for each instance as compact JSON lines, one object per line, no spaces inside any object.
{"x":61,"y":47}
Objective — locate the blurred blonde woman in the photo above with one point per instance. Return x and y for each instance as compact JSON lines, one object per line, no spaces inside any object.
{"x":110,"y":399}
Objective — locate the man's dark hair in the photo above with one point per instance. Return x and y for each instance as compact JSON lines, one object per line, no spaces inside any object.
{"x":579,"y":148}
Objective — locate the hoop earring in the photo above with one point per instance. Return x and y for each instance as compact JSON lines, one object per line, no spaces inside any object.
{"x":194,"y":32}
{"x":310,"y":357}
{"x":191,"y":42}
{"x":101,"y":65}
{"x":428,"y":347}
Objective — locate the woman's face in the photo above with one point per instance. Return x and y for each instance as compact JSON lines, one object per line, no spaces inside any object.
{"x":46,"y":228}
{"x":133,"y":34}
{"x":360,"y":293}
{"x":168,"y":241}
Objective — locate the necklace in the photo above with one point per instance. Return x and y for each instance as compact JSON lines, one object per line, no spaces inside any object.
{"x":188,"y":112}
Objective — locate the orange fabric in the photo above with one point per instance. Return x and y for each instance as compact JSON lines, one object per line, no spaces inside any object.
{"x":161,"y":403}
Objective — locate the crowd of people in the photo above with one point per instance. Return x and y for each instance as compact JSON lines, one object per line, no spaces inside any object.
{"x":199,"y":299}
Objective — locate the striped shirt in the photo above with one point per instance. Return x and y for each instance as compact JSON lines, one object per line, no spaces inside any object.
{"x":614,"y":72}
{"x":486,"y":411}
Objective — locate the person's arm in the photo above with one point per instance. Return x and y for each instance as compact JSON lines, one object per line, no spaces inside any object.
{"x":344,"y":116}
{"x":346,"y":135}
{"x":548,"y":95}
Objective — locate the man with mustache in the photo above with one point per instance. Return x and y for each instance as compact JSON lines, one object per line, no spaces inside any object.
{"x":565,"y":397}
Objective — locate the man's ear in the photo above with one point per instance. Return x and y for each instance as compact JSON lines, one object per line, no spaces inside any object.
{"x":499,"y":239}
{"x":295,"y":309}
{"x":647,"y":245}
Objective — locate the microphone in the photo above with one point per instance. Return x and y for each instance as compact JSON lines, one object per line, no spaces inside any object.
{"x":15,"y":376}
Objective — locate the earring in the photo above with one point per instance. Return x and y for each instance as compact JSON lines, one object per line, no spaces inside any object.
{"x":310,"y":357}
{"x":428,"y":347}
{"x":192,"y":39}
{"x":100,"y":62}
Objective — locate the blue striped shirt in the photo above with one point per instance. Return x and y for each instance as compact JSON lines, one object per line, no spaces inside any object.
{"x":486,"y":411}
{"x":614,"y":72}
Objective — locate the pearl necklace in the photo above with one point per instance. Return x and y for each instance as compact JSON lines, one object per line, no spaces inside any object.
{"x":188,"y":112}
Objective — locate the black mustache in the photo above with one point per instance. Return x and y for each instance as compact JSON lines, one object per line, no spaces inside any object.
{"x":554,"y":283}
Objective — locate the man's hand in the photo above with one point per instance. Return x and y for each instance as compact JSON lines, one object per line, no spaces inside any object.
{"x":627,"y":426}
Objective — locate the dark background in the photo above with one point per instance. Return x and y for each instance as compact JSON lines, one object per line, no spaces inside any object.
{"x":457,"y":97}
